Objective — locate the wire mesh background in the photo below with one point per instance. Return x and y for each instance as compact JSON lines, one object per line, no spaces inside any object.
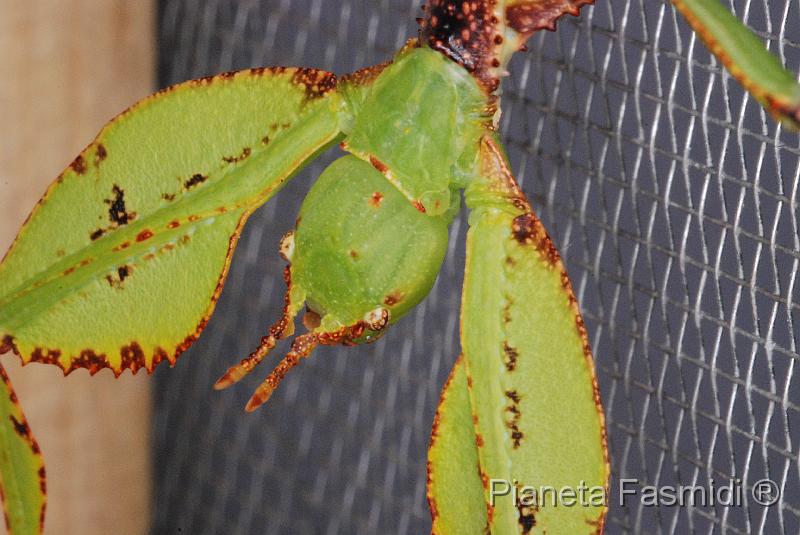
{"x":672,"y":197}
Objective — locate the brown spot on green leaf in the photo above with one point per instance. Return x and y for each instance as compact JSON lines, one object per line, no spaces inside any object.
{"x":513,"y":417}
{"x":144,"y":235}
{"x":79,"y":165}
{"x":116,"y":280}
{"x":195,"y":180}
{"x":510,"y":355}
{"x":241,"y":157}
{"x":528,"y":230}
{"x":117,"y":212}
{"x":393,"y":298}
{"x":101,"y":154}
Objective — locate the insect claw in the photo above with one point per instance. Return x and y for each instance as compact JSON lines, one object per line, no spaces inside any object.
{"x":302,"y":346}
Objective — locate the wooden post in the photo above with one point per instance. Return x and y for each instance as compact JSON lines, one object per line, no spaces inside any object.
{"x":68,"y":66}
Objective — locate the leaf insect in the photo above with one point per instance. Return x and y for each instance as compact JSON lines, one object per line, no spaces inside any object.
{"x":141,"y":257}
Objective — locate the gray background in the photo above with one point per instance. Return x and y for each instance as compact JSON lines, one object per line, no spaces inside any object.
{"x":674,"y":200}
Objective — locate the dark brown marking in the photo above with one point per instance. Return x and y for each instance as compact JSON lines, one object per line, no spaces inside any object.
{"x":376,"y":199}
{"x":510,"y":355}
{"x":479,"y":440}
{"x":528,"y":230}
{"x":101,"y":154}
{"x":526,"y":513}
{"x":46,"y":356}
{"x":79,"y":165}
{"x":42,"y":479}
{"x":97,"y":234}
{"x":132,"y":357}
{"x":168,"y":197}
{"x":8,"y":344}
{"x":123,"y":272}
{"x":236,"y":159}
{"x":174,"y":224}
{"x":265,"y":140}
{"x":89,"y":360}
{"x":196,"y":180}
{"x":21,"y":428}
{"x":464,"y":31}
{"x":159,"y":356}
{"x":514,"y":417}
{"x":316,"y":83}
{"x":354,"y":254}
{"x":117,"y":213}
{"x":122,"y":246}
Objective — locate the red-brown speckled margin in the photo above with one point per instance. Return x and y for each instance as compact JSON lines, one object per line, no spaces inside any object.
{"x":23,"y":430}
{"x":316,"y":84}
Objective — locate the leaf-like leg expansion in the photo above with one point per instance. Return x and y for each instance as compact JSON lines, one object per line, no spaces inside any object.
{"x":744,"y":55}
{"x":22,"y":475}
{"x":534,"y":397}
{"x":148,"y":216}
{"x":455,"y":490}
{"x":302,"y":346}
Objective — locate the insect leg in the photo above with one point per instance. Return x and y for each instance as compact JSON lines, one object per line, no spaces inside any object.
{"x":302,"y":346}
{"x":280,"y":329}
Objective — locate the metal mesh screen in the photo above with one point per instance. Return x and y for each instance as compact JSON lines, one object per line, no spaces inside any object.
{"x":674,"y":200}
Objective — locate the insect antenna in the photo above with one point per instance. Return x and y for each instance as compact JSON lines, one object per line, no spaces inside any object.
{"x":302,"y":346}
{"x":280,"y":329}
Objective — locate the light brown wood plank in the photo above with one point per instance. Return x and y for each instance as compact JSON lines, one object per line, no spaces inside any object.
{"x":67,"y":67}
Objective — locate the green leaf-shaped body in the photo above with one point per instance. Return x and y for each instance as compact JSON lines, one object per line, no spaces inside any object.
{"x":360,"y":245}
{"x":122,"y":261}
